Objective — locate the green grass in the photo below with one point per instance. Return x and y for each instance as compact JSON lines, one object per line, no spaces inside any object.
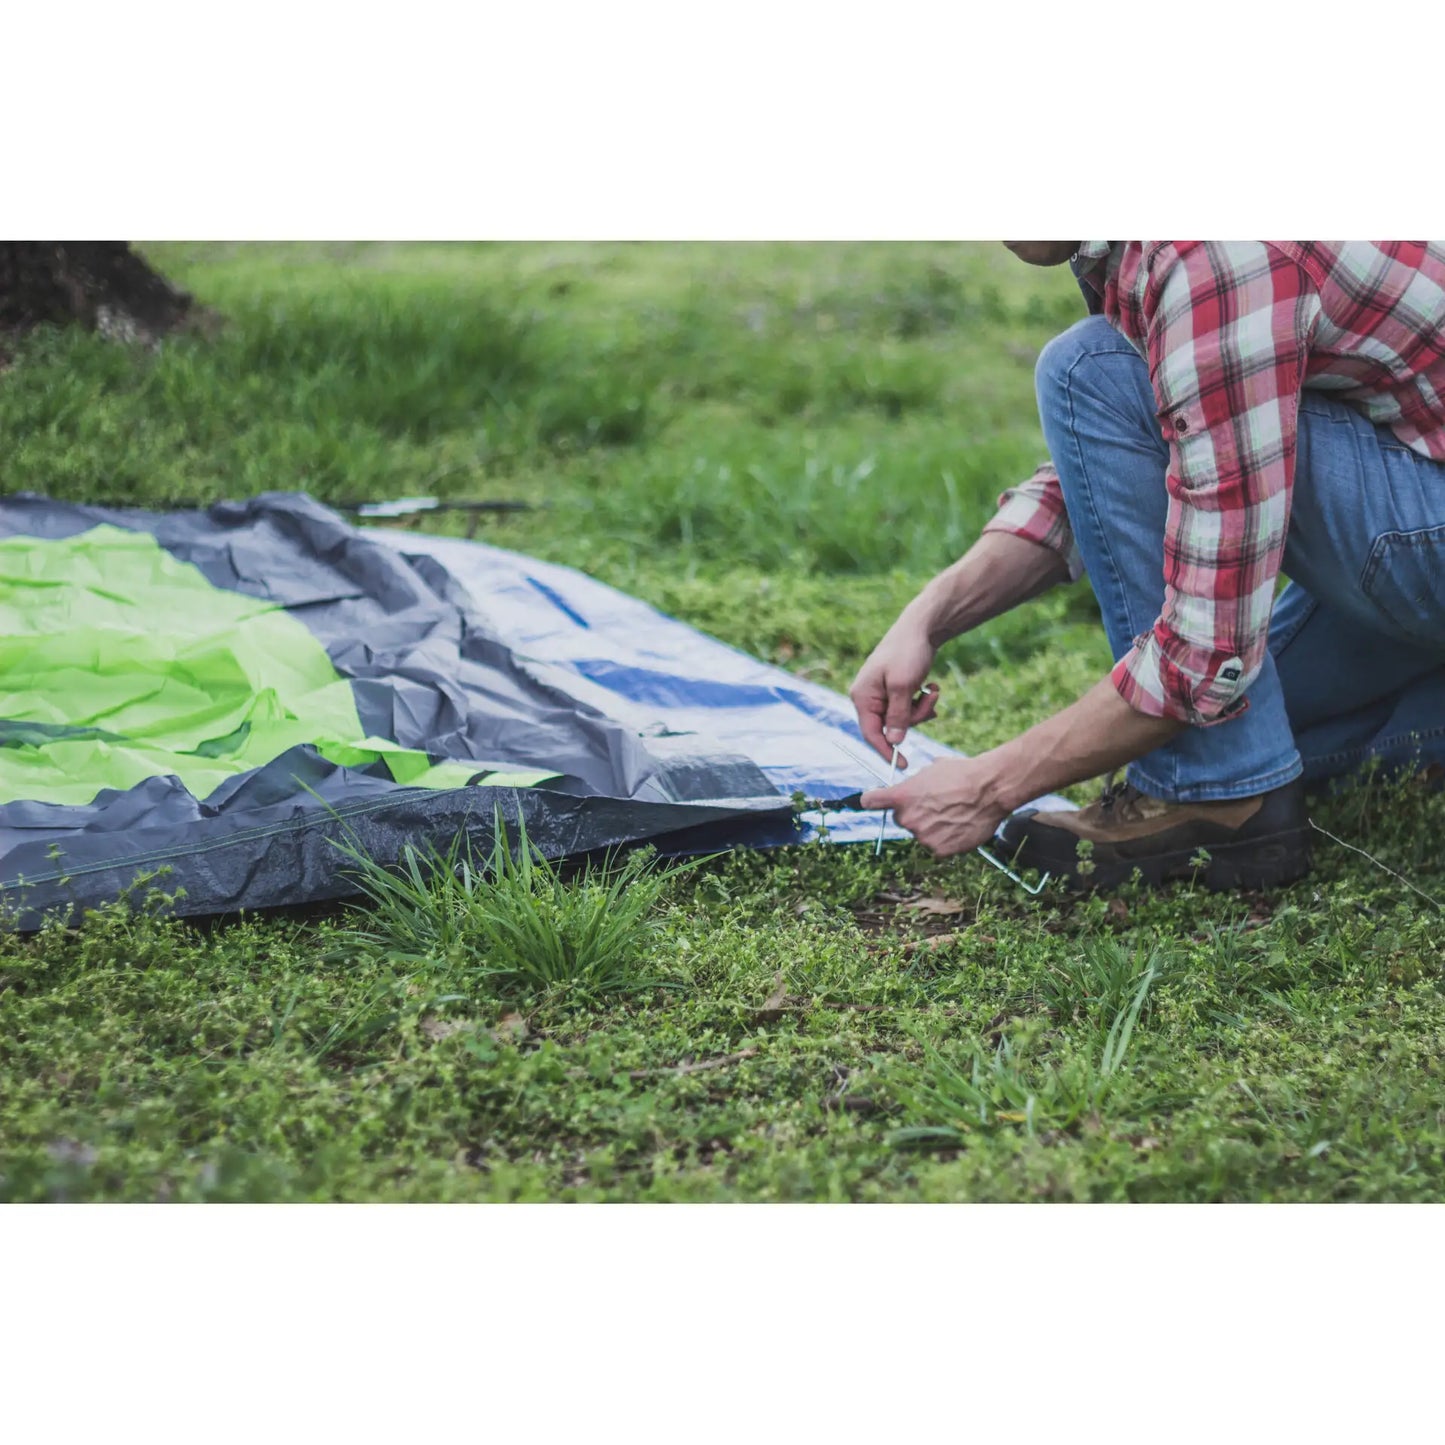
{"x":778,"y":443}
{"x":512,"y":921}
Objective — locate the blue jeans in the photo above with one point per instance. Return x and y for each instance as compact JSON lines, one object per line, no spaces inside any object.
{"x":1355,"y":669}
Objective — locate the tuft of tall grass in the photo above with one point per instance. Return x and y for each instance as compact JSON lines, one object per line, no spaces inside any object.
{"x":945,"y":1101}
{"x":1103,"y":976}
{"x":511,"y":920}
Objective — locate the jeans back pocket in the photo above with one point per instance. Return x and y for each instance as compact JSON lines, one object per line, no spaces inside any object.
{"x":1405,"y":580}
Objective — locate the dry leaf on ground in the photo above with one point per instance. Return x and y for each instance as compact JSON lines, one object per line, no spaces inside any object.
{"x":772,"y":1009}
{"x":931,"y":945}
{"x":942,"y":907}
{"x":695,"y":1066}
{"x":438,"y":1029}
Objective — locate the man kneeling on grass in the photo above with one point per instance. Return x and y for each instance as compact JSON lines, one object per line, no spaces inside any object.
{"x":1228,"y":411}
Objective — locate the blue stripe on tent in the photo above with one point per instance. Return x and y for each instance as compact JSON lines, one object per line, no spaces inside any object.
{"x":666,"y":679}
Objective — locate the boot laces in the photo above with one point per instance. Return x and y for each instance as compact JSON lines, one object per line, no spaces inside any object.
{"x":1120,"y":801}
{"x":1113,"y":791}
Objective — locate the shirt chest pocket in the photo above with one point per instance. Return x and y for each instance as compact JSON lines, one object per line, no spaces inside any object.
{"x":1405,"y":579}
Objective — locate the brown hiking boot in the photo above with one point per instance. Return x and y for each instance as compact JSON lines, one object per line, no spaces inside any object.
{"x":1257,"y":842}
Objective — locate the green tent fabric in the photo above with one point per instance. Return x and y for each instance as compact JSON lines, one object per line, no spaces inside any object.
{"x":121,"y":663}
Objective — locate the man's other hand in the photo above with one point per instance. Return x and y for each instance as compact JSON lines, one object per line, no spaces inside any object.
{"x":952,"y":806}
{"x":888,"y":692}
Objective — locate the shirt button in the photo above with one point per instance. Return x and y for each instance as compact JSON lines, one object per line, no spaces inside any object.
{"x":1181,"y":423}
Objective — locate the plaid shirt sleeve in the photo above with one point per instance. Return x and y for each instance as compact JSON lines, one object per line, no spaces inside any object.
{"x":1034,"y":510}
{"x":1227,"y":330}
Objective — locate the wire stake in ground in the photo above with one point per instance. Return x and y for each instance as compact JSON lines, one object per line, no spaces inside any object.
{"x":1032,"y":888}
{"x":883,"y":816}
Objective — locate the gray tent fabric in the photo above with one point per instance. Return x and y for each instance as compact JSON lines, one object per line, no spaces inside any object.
{"x":427,"y":672}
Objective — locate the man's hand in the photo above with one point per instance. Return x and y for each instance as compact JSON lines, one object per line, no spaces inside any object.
{"x":888,"y":691}
{"x":998,"y":572}
{"x":951,"y":807}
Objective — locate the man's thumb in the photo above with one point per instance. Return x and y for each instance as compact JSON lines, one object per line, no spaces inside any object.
{"x":898,"y":717}
{"x":877,"y":798}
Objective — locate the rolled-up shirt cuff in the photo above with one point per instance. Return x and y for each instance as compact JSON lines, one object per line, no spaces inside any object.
{"x":1021,"y":515}
{"x":1152,"y":685}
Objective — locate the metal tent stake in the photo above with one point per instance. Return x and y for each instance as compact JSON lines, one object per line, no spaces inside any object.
{"x":1033,"y":888}
{"x":883,"y":816}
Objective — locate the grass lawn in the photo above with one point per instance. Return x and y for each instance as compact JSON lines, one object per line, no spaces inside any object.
{"x":779,"y":444}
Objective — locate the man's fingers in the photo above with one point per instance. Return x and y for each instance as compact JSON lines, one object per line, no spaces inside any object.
{"x":870,"y":724}
{"x":877,"y":798}
{"x":885,"y":714}
{"x":925,"y":705}
{"x":901,"y":762}
{"x":906,"y":712}
{"x":870,"y":701}
{"x":899,"y":715}
{"x":897,"y":722}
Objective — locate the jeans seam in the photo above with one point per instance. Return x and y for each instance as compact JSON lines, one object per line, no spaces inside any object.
{"x":1279,"y":642}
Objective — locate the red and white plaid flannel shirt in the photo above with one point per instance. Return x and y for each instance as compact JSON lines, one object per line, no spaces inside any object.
{"x":1232,"y":331}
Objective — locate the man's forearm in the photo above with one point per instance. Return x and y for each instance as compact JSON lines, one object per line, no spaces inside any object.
{"x":996,"y":574}
{"x":1098,"y":733}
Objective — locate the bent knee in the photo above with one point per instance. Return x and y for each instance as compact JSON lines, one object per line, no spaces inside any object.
{"x":1057,"y":360}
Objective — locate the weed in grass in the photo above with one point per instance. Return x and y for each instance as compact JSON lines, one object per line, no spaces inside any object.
{"x":1004,"y":1086}
{"x":363,"y":1028}
{"x":512,"y":921}
{"x":1102,"y":977}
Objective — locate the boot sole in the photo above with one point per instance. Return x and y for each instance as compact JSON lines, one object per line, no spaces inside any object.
{"x":1258,"y":863}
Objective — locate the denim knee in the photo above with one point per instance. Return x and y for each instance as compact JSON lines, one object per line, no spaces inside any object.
{"x":1054,"y":370}
{"x":1094,"y":392}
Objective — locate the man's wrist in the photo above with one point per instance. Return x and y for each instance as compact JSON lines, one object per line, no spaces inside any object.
{"x":933,"y":613}
{"x":1005,"y":784}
